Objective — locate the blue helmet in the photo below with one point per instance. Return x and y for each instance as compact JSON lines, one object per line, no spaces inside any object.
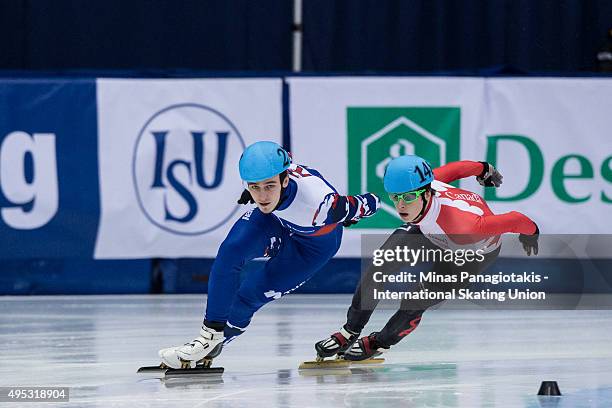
{"x":407,"y":173}
{"x":263,"y":160}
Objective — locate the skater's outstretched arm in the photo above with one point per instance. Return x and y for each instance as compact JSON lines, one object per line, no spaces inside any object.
{"x":485,"y":173}
{"x":336,"y":208}
{"x":512,"y":221}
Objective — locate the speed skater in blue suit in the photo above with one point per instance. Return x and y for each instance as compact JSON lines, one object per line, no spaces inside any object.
{"x":297,"y":223}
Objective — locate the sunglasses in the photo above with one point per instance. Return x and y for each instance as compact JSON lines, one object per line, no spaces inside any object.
{"x":407,"y":197}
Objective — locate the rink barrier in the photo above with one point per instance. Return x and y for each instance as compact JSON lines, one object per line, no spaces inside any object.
{"x":49,"y":248}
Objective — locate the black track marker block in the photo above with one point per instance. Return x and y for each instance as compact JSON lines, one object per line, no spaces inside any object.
{"x":549,"y":388}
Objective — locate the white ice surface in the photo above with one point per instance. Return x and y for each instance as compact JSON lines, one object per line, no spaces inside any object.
{"x":94,"y":344}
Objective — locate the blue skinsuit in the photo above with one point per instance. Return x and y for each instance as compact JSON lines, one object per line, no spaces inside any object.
{"x":300,"y":236}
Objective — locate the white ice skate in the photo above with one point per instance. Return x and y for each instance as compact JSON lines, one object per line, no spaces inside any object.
{"x":194,"y":353}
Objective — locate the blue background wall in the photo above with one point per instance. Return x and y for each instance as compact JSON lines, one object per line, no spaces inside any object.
{"x":442,"y":35}
{"x":141,"y":34}
{"x":339,"y":35}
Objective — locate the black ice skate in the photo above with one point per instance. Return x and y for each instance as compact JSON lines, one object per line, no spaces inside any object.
{"x":365,"y":348}
{"x":336,"y":344}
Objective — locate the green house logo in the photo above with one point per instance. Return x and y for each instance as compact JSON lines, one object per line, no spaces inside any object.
{"x":376,"y":135}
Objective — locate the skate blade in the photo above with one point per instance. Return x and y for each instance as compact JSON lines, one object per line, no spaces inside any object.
{"x":152,"y":369}
{"x":338,"y":363}
{"x":369,"y":361}
{"x":335,"y":363}
{"x":183,"y":372}
{"x":175,"y":372}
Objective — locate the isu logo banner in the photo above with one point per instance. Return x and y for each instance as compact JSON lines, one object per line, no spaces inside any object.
{"x":181,"y":159}
{"x":169,"y":152}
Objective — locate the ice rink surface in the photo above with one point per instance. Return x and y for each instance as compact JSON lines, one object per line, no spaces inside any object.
{"x":478,"y":358}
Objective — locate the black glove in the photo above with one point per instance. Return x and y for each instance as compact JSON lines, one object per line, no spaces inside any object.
{"x":348,"y":223}
{"x":489,"y":177}
{"x":274,"y":248}
{"x":246,"y":198}
{"x":530,"y":242}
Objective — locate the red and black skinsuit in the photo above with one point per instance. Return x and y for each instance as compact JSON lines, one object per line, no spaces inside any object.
{"x":453,"y":218}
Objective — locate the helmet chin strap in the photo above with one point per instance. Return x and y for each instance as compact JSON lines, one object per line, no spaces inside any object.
{"x":420,"y":215}
{"x":281,"y":199}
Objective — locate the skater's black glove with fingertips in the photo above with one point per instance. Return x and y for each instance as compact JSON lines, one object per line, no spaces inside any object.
{"x":246,"y":198}
{"x":489,"y":177}
{"x":530,"y":242}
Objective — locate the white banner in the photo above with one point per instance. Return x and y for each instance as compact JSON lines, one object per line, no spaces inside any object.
{"x":552,"y":141}
{"x":168,"y":161}
{"x":550,"y":138}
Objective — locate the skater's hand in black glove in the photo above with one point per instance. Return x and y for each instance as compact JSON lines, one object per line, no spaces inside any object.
{"x":246,"y":198}
{"x":274,"y":248}
{"x":489,"y":177}
{"x":530,"y":242}
{"x":348,"y":223}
